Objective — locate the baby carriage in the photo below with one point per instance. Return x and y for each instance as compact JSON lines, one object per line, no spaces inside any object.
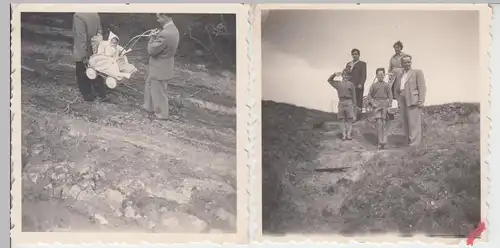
{"x":99,"y":65}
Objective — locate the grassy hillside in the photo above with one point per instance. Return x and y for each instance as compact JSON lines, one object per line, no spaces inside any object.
{"x":434,"y":189}
{"x":106,"y":166}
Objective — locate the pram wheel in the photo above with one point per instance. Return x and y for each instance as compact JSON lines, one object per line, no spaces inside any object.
{"x":111,"y":82}
{"x":91,"y":73}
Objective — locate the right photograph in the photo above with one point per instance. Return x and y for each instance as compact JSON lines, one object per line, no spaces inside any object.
{"x":372,"y":121}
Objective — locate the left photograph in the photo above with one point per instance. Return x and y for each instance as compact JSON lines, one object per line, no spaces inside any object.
{"x":129,"y":122}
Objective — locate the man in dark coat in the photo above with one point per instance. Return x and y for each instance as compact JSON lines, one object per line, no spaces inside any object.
{"x":358,"y":78}
{"x":85,"y":27}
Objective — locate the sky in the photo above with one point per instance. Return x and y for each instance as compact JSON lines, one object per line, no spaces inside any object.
{"x":302,"y":48}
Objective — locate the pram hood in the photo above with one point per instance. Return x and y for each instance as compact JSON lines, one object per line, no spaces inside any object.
{"x":103,"y":44}
{"x":112,"y":35}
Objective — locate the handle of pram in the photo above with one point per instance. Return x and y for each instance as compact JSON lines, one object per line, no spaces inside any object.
{"x":136,"y":38}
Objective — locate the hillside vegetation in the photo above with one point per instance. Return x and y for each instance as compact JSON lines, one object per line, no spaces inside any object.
{"x":434,"y":189}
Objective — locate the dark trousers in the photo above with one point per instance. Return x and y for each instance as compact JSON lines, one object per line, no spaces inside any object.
{"x":86,"y":85}
{"x":359,"y":101}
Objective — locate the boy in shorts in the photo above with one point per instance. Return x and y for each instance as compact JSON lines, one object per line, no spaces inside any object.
{"x":380,"y":99}
{"x":347,"y":101}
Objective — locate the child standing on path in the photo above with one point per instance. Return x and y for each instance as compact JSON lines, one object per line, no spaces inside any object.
{"x":380,"y":99}
{"x":347,"y":101}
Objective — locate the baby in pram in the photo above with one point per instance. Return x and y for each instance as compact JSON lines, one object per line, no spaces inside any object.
{"x":110,"y":59}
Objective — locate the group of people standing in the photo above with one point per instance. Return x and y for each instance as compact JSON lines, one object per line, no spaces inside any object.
{"x":161,"y":50}
{"x":406,"y":85}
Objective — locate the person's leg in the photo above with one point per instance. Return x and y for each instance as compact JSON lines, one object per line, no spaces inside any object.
{"x":384,"y":126}
{"x":380,"y":131}
{"x":415,"y":122}
{"x":344,"y":129}
{"x":159,"y":97}
{"x":359,"y":102}
{"x":385,"y":131}
{"x":403,"y":111}
{"x":349,"y":122}
{"x":350,"y":117}
{"x":83,"y":81}
{"x":341,"y":115}
{"x":148,"y":100}
{"x":99,"y":87}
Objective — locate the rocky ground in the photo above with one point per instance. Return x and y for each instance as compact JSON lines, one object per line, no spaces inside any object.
{"x":106,"y":166}
{"x":434,"y":189}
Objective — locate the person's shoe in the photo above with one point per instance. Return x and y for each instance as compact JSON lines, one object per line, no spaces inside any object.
{"x":103,"y":99}
{"x":149,"y":111}
{"x":169,"y":118}
{"x":343,"y":138}
{"x":349,"y":138}
{"x":88,"y":98}
{"x":159,"y":117}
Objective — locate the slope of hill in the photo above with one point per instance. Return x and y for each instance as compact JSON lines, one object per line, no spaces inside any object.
{"x":434,"y":189}
{"x":106,"y":166}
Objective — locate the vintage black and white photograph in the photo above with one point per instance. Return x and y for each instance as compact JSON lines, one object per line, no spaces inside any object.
{"x":128,"y":121}
{"x":373,"y":121}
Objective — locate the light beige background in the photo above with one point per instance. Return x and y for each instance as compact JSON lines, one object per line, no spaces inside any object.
{"x":19,"y":237}
{"x":302,"y":48}
{"x":304,"y":76}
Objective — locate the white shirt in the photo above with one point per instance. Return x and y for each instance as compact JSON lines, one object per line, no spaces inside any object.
{"x":404,"y":78}
{"x":353,"y":63}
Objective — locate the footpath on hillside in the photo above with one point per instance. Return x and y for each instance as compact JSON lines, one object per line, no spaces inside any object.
{"x":315,"y":182}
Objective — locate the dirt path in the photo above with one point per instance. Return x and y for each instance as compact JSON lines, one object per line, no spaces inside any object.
{"x":368,"y":190}
{"x":106,"y":166}
{"x":316,"y":188}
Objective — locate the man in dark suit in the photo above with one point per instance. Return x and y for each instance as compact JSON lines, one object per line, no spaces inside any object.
{"x":358,"y":78}
{"x":86,"y":26}
{"x":410,"y":89}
